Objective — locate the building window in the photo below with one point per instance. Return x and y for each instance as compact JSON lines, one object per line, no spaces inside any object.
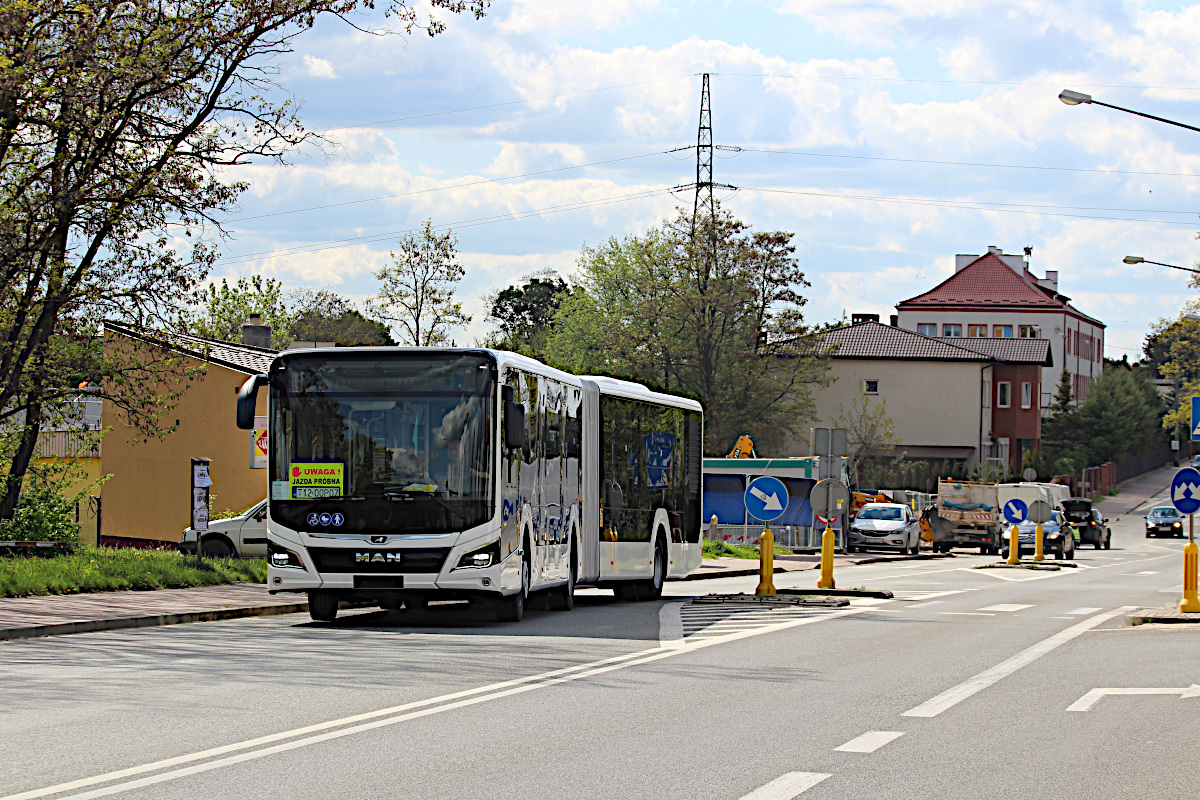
{"x":976,"y":331}
{"x":870,"y":387}
{"x":1003,"y":394}
{"x":1027,"y":331}
{"x":1002,"y":331}
{"x":927,"y":328}
{"x":1026,"y":394}
{"x":952,"y":330}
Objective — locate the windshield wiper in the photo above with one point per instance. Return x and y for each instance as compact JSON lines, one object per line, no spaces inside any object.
{"x":396,"y":494}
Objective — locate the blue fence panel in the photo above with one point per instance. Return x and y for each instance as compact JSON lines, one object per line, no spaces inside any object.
{"x":724,"y":495}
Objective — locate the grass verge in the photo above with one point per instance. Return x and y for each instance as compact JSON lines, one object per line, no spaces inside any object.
{"x":724,"y":550}
{"x":111,"y":569}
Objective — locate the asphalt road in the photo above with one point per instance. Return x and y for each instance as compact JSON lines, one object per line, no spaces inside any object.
{"x":957,"y":688}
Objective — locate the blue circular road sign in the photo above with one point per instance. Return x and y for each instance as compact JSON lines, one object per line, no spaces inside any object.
{"x":1185,"y":491}
{"x":766,"y":498}
{"x":1015,"y":511}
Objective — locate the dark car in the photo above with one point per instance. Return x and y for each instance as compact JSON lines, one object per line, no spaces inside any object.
{"x":1164,"y":521}
{"x":1089,"y":525}
{"x":1056,"y":538}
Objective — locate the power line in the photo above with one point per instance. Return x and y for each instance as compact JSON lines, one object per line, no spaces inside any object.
{"x":479,"y":182}
{"x":469,"y":223}
{"x":969,"y":205}
{"x":960,"y":163}
{"x":510,"y":103}
{"x":951,"y":81}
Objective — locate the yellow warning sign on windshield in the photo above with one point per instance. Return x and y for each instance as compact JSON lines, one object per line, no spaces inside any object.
{"x":306,"y":481}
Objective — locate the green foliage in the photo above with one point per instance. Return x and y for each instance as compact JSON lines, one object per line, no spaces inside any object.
{"x":714,"y":549}
{"x":1173,"y":348}
{"x":523,"y":313}
{"x":870,"y":432}
{"x":1120,"y":418}
{"x":109,"y":569}
{"x":1063,"y":395}
{"x":320,"y":315}
{"x":227,"y":307}
{"x":416,"y":290}
{"x":710,"y":310}
{"x":43,"y":514}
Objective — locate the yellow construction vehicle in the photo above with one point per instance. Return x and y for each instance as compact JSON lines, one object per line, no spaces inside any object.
{"x":743,"y":449}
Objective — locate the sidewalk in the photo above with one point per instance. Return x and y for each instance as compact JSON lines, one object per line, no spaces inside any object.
{"x":52,"y":615}
{"x":1136,"y":491}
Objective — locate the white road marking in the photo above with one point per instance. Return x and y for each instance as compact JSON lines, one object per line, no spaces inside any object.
{"x":670,"y":624}
{"x":927,"y":603}
{"x":1005,"y":607}
{"x":965,"y":614}
{"x":1082,"y":611}
{"x":1090,"y":699}
{"x":953,"y":696}
{"x":1145,"y":573}
{"x":787,"y":786}
{"x":388,"y":716}
{"x":869,"y":742}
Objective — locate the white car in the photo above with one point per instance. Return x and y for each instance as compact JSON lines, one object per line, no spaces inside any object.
{"x":885,"y":526}
{"x":243,"y":535}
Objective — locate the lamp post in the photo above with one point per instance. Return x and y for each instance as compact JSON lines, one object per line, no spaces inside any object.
{"x":1073,"y":98}
{"x":1140,"y":260}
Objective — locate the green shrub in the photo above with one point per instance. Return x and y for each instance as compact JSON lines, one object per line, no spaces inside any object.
{"x":42,"y":515}
{"x":714,"y":549}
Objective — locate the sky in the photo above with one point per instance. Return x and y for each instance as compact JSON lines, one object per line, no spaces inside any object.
{"x":916,"y":130}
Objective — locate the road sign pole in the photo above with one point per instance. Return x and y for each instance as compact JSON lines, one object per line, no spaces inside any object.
{"x":1191,"y":568}
{"x":766,"y":564}
{"x":1014,"y":545}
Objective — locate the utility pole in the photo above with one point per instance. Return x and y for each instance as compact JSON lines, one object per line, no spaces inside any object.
{"x":704,"y":156}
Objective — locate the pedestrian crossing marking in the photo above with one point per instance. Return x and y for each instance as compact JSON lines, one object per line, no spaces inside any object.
{"x":1005,"y":607}
{"x":709,"y":621}
{"x":1085,"y":610}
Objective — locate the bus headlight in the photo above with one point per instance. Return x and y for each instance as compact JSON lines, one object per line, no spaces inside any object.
{"x":480,"y":557}
{"x":282,"y":557}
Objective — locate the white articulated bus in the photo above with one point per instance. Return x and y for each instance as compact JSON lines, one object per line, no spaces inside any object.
{"x":404,"y":475}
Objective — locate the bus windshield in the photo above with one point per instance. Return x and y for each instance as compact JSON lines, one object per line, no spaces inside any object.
{"x":387,"y":443}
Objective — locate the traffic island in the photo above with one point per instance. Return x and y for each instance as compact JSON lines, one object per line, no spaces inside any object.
{"x":889,"y":559}
{"x":1168,"y":614}
{"x":882,"y":594}
{"x":1030,"y":565}
{"x":778,"y":600}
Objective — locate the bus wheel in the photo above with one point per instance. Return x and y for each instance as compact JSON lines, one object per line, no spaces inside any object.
{"x":562,"y":598}
{"x":654,"y":587}
{"x":512,"y":608}
{"x":322,"y":606}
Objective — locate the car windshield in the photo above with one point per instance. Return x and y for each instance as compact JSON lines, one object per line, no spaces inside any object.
{"x":879,"y":512}
{"x":1163,"y":512}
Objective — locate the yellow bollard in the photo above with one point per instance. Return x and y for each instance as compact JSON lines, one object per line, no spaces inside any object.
{"x":1038,"y":548}
{"x":826,"y":580}
{"x":1191,"y":562}
{"x":1014,"y":545}
{"x":766,"y":564}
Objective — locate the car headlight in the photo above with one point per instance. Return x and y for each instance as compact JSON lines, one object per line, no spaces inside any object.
{"x":480,"y":557}
{"x":283,"y":558}
{"x":1178,"y":524}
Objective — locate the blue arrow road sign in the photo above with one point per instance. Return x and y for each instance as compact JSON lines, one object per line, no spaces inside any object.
{"x":1015,"y":511}
{"x":1185,"y":491}
{"x":1196,"y":418}
{"x":766,"y":498}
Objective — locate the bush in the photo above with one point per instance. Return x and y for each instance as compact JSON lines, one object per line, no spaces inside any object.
{"x":42,"y":515}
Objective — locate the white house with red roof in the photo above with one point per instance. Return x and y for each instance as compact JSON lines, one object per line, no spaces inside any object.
{"x":996,"y":296}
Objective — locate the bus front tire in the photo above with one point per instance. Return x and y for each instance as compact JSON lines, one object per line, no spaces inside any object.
{"x":562,"y":598}
{"x":322,"y":606}
{"x":512,"y":607}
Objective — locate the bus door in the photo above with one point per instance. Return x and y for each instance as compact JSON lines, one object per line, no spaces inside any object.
{"x":531,"y":471}
{"x":553,"y":497}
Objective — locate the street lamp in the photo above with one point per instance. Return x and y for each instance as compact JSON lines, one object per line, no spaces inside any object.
{"x":1073,"y":98}
{"x":1140,"y":260}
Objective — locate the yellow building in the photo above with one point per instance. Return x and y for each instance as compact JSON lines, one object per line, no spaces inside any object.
{"x":79,"y":455}
{"x":148,"y":494}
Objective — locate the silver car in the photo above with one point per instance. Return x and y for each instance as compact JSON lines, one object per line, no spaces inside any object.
{"x":243,"y":535}
{"x":885,"y":526}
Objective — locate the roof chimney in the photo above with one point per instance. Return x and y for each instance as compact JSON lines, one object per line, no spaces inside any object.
{"x":1050,"y":281}
{"x":857,"y":319}
{"x":254,"y":333}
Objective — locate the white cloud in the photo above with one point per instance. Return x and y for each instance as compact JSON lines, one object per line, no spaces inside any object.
{"x":318,"y":68}
{"x":557,"y":16}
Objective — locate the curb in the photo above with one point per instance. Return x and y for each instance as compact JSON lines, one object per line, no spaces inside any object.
{"x":149,"y":621}
{"x":733,"y":573}
{"x":882,"y":594}
{"x":891,"y":559}
{"x":1162,"y":616}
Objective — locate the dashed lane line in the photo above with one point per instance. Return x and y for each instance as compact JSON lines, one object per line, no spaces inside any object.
{"x":869,"y":742}
{"x":966,"y":614}
{"x":1081,"y":611}
{"x":1006,"y":607}
{"x":787,"y":786}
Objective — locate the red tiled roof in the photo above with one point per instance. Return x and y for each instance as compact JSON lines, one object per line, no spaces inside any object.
{"x":987,"y":281}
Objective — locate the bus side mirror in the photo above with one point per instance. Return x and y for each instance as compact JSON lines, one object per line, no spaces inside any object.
{"x":514,"y":420}
{"x":247,"y":400}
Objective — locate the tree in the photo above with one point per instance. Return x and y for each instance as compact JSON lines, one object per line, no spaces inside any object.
{"x":225,"y":308}
{"x":120,"y":121}
{"x":710,"y":310}
{"x":416,"y":290}
{"x":1064,"y":396}
{"x":1121,"y":417}
{"x":523,"y":313}
{"x":320,"y":315}
{"x":870,"y":432}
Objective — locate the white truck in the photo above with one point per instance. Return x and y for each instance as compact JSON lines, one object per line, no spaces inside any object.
{"x":966,"y":515}
{"x":1029,"y":493}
